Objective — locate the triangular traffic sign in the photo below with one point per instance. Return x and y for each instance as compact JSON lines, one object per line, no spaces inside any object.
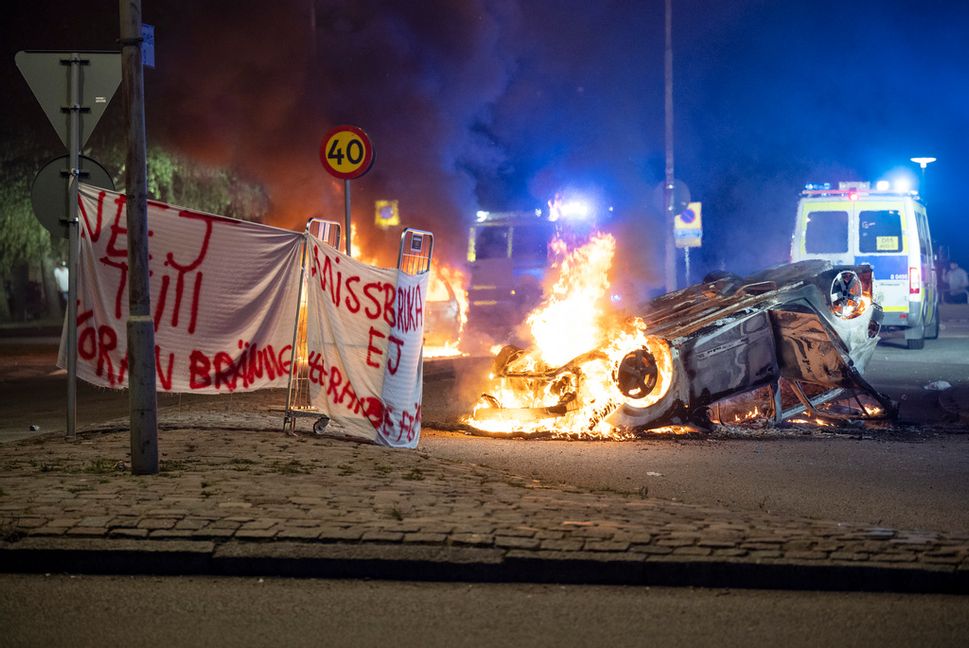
{"x":49,"y":76}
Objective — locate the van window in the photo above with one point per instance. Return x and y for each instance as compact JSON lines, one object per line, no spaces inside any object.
{"x":827,"y":232}
{"x":880,"y":231}
{"x":491,"y":243}
{"x":925,"y":240}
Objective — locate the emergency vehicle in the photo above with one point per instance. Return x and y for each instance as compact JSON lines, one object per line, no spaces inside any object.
{"x":884,"y":228}
{"x":508,"y":258}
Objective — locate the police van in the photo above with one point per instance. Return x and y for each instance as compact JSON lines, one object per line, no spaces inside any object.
{"x":855,"y":224}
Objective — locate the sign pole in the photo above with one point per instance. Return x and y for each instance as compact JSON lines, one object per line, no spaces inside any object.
{"x":346,"y":153}
{"x":142,"y":401}
{"x":686,"y":260}
{"x":44,"y":73}
{"x":669,"y":249}
{"x":346,"y":209}
{"x":74,"y":149}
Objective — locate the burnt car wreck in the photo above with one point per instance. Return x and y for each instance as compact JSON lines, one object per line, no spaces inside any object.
{"x":788,"y":342}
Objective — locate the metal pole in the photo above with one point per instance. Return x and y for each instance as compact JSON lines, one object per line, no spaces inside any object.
{"x":686,"y":260}
{"x":670,"y":251}
{"x":346,"y":208}
{"x":74,"y":242}
{"x":141,"y":330}
{"x":293,"y":356}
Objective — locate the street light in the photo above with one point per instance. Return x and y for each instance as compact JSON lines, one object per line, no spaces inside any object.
{"x":923,"y":162}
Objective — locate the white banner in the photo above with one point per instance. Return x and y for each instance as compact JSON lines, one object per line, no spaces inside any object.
{"x":223,"y":297}
{"x":365,"y":330}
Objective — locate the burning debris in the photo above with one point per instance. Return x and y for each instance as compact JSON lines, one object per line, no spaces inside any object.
{"x":789,"y":341}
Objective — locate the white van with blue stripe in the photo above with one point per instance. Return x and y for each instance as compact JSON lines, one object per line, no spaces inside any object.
{"x":886,"y":229}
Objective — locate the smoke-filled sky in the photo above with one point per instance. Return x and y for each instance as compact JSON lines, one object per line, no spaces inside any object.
{"x":498,"y":104}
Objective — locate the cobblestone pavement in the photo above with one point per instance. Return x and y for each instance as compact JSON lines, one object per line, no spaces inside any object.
{"x":236,"y":495}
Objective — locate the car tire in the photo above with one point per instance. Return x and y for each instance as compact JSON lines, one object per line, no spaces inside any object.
{"x":916,"y":343}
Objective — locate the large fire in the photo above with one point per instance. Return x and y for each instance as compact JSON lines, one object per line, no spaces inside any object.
{"x":577,"y":346}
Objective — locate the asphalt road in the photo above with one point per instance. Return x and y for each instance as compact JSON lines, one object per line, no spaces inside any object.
{"x":911,"y":476}
{"x":60,"y":610}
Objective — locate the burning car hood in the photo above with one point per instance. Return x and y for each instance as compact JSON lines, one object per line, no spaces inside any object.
{"x":800,"y":334}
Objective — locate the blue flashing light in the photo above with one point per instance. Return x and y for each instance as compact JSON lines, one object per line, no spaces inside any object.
{"x":817,"y":186}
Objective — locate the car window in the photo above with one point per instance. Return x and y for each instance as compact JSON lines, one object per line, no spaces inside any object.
{"x":827,"y":232}
{"x":491,"y":243}
{"x":880,"y":231}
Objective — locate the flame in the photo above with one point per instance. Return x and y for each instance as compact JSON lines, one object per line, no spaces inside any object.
{"x":566,"y":383}
{"x":576,"y":298}
{"x":749,"y":415}
{"x":447,"y":284}
{"x":873,"y":410}
{"x":808,"y":420}
{"x":357,"y":248}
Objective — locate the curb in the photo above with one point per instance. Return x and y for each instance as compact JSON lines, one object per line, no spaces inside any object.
{"x":451,"y":563}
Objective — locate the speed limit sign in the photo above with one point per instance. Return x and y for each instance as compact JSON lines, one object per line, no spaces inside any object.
{"x":346,"y":152}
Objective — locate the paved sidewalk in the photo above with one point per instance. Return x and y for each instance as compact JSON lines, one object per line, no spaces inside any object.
{"x":237,"y":496}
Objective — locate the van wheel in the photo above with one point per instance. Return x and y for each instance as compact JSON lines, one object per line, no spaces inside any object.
{"x":932,"y":330}
{"x":917,"y":343}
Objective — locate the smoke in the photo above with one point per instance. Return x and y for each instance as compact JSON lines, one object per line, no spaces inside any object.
{"x":258,"y":84}
{"x":498,"y":104}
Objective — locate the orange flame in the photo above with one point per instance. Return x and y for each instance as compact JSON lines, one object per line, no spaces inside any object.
{"x":576,"y":298}
{"x":576,"y":389}
{"x":447,"y":286}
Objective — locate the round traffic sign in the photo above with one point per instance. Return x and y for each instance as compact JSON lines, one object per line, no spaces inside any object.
{"x":687,"y":216}
{"x":49,"y":196}
{"x":346,"y":152}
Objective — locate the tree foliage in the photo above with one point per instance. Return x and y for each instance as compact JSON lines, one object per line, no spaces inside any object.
{"x":179,"y":180}
{"x":23,"y":239}
{"x":172,"y":178}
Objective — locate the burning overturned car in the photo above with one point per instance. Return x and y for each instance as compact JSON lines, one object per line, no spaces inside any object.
{"x":790,"y":341}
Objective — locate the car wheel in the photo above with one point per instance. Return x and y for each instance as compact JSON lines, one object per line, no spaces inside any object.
{"x":916,"y":343}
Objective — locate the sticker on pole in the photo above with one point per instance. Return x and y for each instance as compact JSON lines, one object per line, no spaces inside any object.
{"x":346,"y":152}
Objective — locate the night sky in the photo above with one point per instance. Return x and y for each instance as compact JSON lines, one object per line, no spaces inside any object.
{"x":499,"y":104}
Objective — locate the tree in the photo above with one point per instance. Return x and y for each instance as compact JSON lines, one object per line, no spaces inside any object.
{"x":179,"y":180}
{"x":23,"y":240}
{"x":26,"y":247}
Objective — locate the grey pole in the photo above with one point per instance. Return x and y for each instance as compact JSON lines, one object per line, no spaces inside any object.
{"x":346,"y":208}
{"x":686,"y":261}
{"x":141,"y":331}
{"x":74,"y":241}
{"x":670,"y":249}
